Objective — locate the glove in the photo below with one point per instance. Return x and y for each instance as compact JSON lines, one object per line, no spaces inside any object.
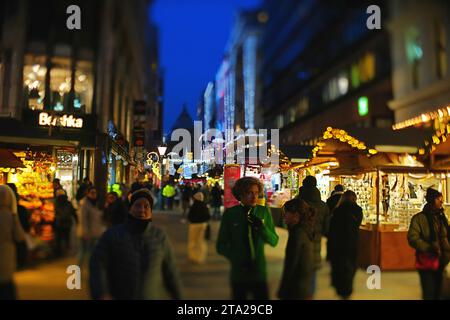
{"x":255,"y":222}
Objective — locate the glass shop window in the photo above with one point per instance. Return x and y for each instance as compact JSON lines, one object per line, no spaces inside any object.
{"x":60,"y":83}
{"x":34,"y":73}
{"x":84,"y":88}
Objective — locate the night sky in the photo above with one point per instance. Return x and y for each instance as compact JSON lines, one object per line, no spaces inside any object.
{"x":193,"y":36}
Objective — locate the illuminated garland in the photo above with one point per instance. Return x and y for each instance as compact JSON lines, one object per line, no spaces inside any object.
{"x":442,"y":113}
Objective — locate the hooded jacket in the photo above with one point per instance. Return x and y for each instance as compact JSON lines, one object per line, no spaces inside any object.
{"x":322,"y":219}
{"x":298,"y":264}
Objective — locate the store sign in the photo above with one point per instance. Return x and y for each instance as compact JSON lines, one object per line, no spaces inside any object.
{"x":68,"y":121}
{"x":232,"y":173}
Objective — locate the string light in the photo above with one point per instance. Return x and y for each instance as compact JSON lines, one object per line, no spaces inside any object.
{"x":441,"y":114}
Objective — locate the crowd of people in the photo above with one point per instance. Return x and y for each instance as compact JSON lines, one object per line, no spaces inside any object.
{"x":130,"y":257}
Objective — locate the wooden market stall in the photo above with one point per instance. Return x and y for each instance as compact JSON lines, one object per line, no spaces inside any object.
{"x":390,"y":184}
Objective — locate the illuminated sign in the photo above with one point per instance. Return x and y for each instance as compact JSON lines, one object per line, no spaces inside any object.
{"x":363,"y":106}
{"x":68,"y":121}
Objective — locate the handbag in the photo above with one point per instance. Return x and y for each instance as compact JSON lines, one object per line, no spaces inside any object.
{"x":427,"y":261}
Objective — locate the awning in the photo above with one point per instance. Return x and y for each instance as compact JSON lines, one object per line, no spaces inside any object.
{"x":9,"y":160}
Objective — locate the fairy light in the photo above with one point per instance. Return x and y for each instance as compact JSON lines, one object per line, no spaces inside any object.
{"x":441,"y":114}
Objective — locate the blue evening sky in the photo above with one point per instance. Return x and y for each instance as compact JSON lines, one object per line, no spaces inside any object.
{"x":193,"y":35}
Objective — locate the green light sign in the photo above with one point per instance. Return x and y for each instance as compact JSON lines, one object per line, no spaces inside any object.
{"x":363,"y":106}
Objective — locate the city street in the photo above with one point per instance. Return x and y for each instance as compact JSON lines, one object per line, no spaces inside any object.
{"x":210,"y":281}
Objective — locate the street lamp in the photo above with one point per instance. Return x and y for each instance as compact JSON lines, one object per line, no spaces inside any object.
{"x":162,"y":150}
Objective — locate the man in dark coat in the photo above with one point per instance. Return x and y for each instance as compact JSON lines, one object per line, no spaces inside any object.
{"x":335,"y":196}
{"x":311,"y":195}
{"x":115,"y":211}
{"x":343,"y":243}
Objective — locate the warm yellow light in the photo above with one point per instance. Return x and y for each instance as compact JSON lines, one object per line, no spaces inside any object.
{"x":52,"y":168}
{"x":421,"y":151}
{"x":373,"y":151}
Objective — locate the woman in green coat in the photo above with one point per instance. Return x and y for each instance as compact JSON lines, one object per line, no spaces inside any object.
{"x":244,"y":231}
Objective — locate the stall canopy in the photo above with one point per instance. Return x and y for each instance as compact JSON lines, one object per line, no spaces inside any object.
{"x":9,"y":160}
{"x":359,"y":150}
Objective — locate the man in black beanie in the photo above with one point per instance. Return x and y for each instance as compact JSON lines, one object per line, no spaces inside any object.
{"x":309,"y":193}
{"x":429,"y":234}
{"x":135,"y":260}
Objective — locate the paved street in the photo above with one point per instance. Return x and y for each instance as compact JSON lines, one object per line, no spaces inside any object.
{"x":210,"y":281}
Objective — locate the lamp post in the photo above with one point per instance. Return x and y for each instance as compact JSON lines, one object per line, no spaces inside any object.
{"x":162,"y":151}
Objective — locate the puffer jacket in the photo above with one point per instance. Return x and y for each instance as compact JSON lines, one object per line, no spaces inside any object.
{"x":421,"y":236}
{"x":134,"y":266}
{"x":322,"y":219}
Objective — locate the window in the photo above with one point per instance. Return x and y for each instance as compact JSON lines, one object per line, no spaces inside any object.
{"x":60,"y":84}
{"x":34,"y":72}
{"x":441,"y":56}
{"x":414,"y":53}
{"x":280,"y":121}
{"x":84,"y":87}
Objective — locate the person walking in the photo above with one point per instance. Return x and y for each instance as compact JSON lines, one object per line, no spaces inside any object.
{"x":11,"y":232}
{"x":81,"y":192}
{"x":115,"y":210}
{"x":91,"y":224}
{"x":185,"y":201}
{"x":244,"y":230}
{"x":135,"y":260}
{"x":309,"y":193}
{"x":24,"y":218}
{"x":216,"y":200}
{"x":343,"y":241}
{"x":299,"y":258}
{"x":169,"y":194}
{"x":198,"y":217}
{"x":65,"y":214}
{"x":429,"y":235}
{"x":335,"y":196}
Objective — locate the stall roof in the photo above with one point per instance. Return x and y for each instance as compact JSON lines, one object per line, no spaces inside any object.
{"x":297,"y":153}
{"x":9,"y":160}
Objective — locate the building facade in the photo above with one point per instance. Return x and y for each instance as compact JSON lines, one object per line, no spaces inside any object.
{"x":71,"y":94}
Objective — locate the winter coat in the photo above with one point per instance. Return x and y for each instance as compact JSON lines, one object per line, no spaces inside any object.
{"x":298,"y":264}
{"x":199,"y":212}
{"x":343,"y":237}
{"x":322,"y":219}
{"x":169,"y":191}
{"x":11,"y":232}
{"x":333,"y":200}
{"x":216,"y":197}
{"x":233,"y":242}
{"x":64,"y":213}
{"x":115,"y":213}
{"x":129,"y":265}
{"x":421,"y":236}
{"x":91,"y":219}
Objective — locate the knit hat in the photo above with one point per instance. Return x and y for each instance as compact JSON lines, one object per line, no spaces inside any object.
{"x":199,"y":196}
{"x":142,"y":193}
{"x":310,"y":182}
{"x":432,"y":194}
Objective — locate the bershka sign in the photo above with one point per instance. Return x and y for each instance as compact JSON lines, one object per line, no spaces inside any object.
{"x":68,"y":121}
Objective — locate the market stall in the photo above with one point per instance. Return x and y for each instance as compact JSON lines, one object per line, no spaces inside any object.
{"x":389,"y":182}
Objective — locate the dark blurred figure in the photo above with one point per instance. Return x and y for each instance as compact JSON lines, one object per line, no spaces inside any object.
{"x":81,"y":192}
{"x":186,"y":195}
{"x":65,"y":216}
{"x":24,"y":218}
{"x":198,"y":217}
{"x":56,"y":186}
{"x":115,"y":210}
{"x":343,"y":241}
{"x":216,"y":200}
{"x":309,"y":193}
{"x":137,"y":185}
{"x":335,"y":196}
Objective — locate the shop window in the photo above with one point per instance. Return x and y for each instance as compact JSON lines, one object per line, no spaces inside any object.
{"x":302,"y":107}
{"x":34,"y":73}
{"x":367,"y":67}
{"x":355,"y":77}
{"x":60,"y":84}
{"x":441,"y":48}
{"x":84,"y":87}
